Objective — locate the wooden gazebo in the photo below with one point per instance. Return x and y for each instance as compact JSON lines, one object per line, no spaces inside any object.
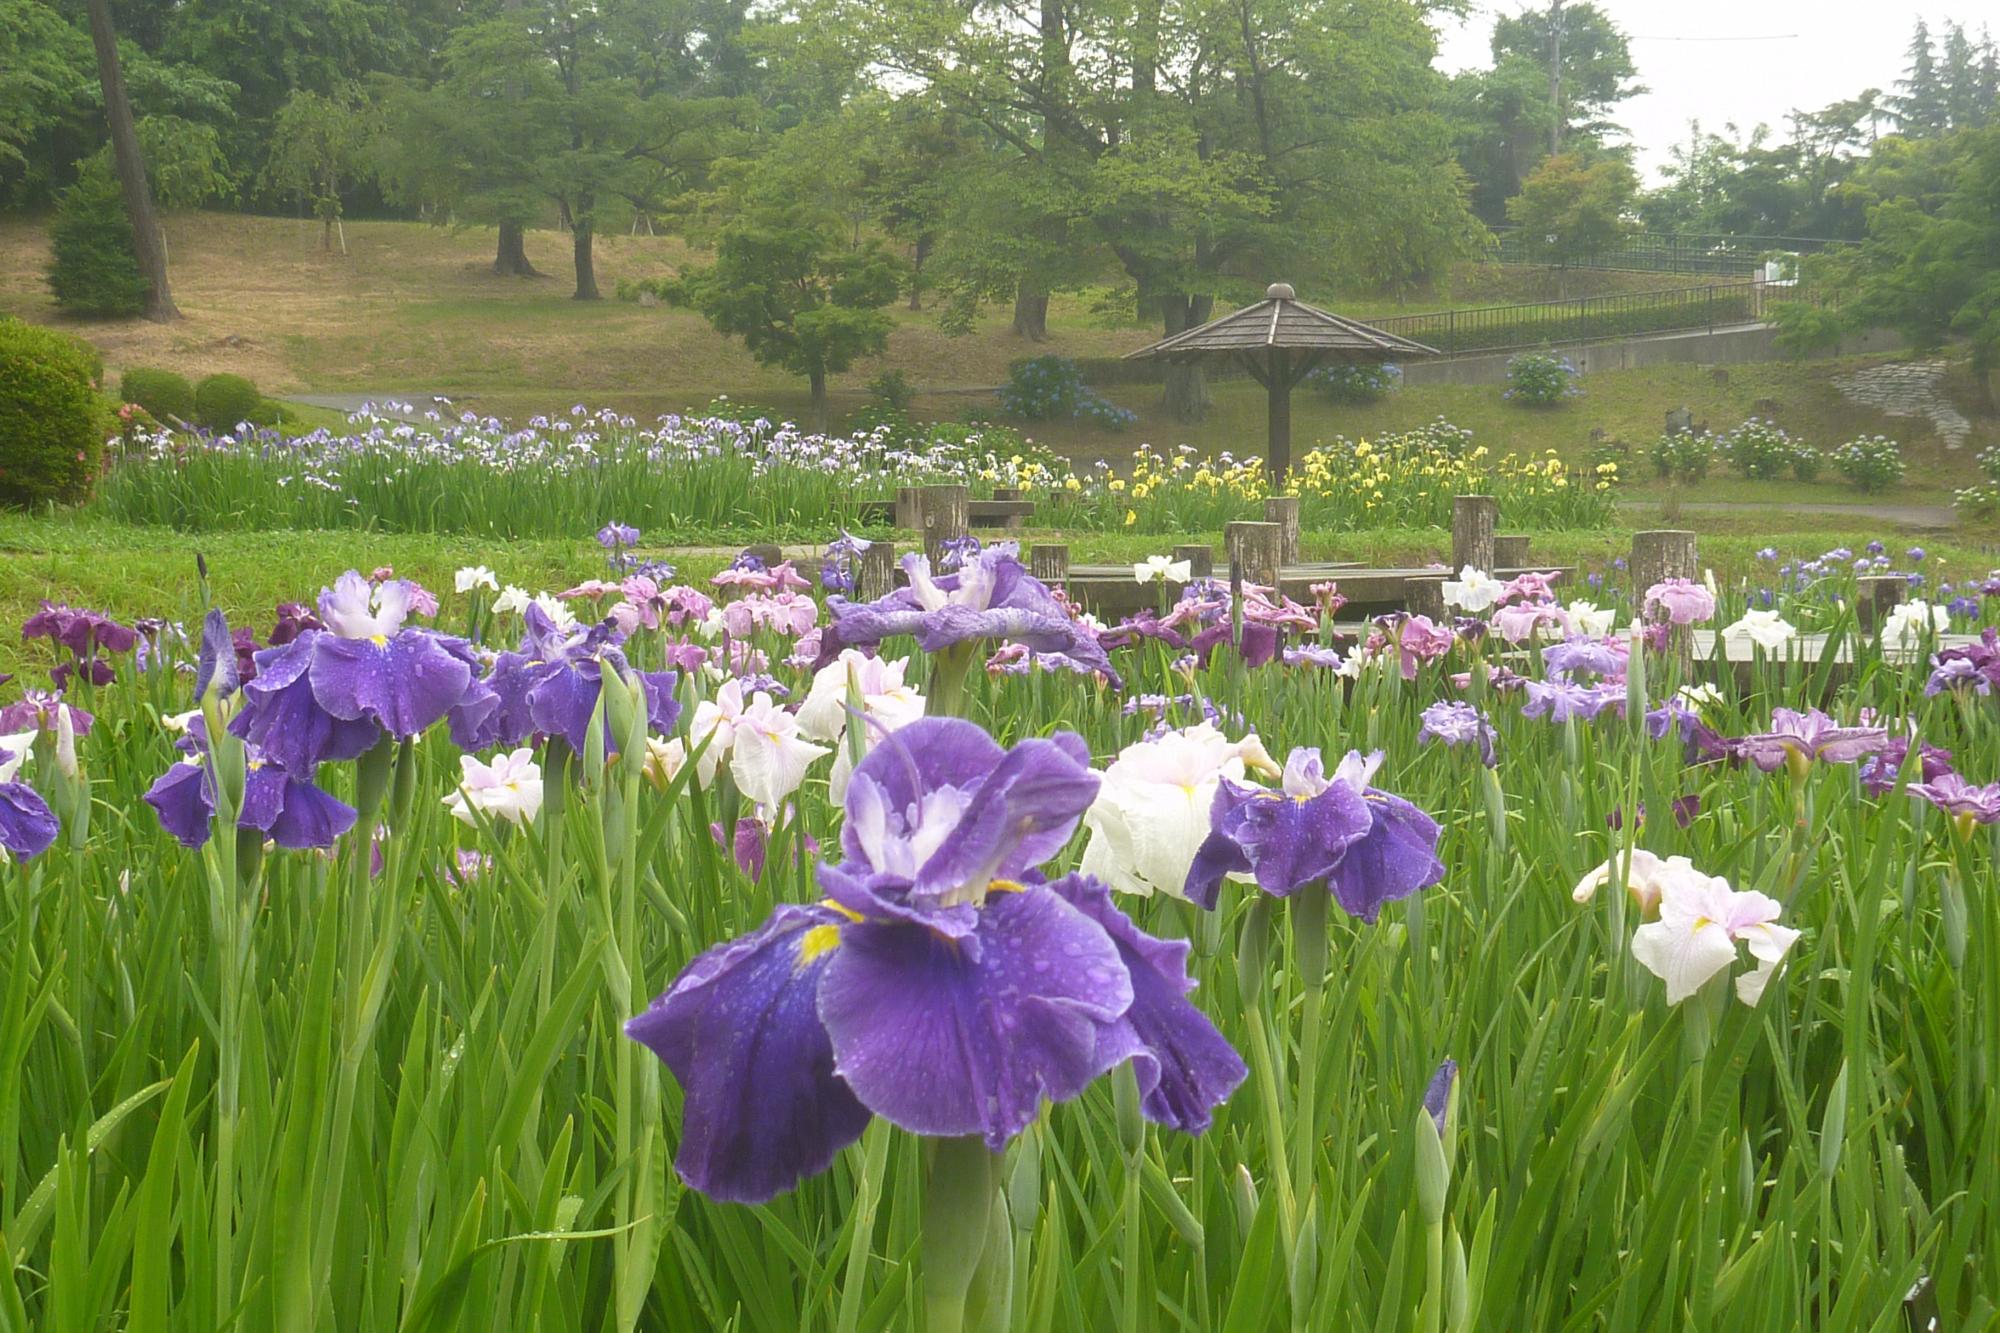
{"x":1281,"y":340}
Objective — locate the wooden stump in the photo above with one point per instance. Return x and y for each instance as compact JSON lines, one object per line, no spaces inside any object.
{"x":1473,"y":520}
{"x":1875,"y":597}
{"x":1425,"y":594}
{"x":875,"y":572}
{"x":1256,"y":554}
{"x":1510,"y":551}
{"x":944,"y":514}
{"x":905,"y":515}
{"x":1660,"y":554}
{"x":1049,"y":562}
{"x":1012,"y":521}
{"x":1200,"y":559}
{"x":769,"y":552}
{"x":1283,"y":510}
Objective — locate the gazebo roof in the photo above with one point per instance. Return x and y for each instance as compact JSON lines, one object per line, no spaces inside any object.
{"x":1281,"y":320}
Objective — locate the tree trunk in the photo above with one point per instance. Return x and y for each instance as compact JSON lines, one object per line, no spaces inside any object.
{"x":1186,"y":393}
{"x":586,"y":271}
{"x":147,"y":242}
{"x":817,"y":379}
{"x":510,"y":260}
{"x":1031,"y":312}
{"x":919,"y":252}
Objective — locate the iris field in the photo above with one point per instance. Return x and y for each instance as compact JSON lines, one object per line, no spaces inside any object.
{"x":726,"y":954}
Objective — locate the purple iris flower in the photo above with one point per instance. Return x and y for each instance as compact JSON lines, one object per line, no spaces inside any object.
{"x":1960,"y":799}
{"x":1797,"y":739}
{"x":1437,"y":1095}
{"x":36,"y":710}
{"x":956,"y":553}
{"x":1454,"y":724}
{"x":1564,"y":700}
{"x":1965,"y":608}
{"x":1875,"y":548}
{"x":1368,"y":846}
{"x":1879,"y":771}
{"x":992,"y":597}
{"x":331,"y":693}
{"x":85,"y":634}
{"x":617,"y":536}
{"x":549,"y":686}
{"x":294,"y":619}
{"x":944,"y":985}
{"x":1975,"y":666}
{"x":1915,"y":555}
{"x":1583,"y":656}
{"x":843,"y":558}
{"x":27,"y":825}
{"x":289,"y":811}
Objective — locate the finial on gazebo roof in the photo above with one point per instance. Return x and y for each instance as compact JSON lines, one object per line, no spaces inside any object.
{"x":1280,"y":291}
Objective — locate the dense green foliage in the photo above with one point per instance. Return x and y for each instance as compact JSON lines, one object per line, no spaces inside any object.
{"x":224,"y":401}
{"x":92,"y":269}
{"x":165,"y":393}
{"x":51,"y":422}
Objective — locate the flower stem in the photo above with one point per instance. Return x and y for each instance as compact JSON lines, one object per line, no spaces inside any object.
{"x":958,"y":1203}
{"x":1309,"y":950}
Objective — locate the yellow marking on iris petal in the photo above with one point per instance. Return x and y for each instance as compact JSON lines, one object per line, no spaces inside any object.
{"x":816,"y":943}
{"x":379,"y":640}
{"x":1006,"y":886}
{"x":833,"y":906}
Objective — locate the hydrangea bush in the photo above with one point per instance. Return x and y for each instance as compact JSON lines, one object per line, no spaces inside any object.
{"x":1538,"y":379}
{"x":1870,"y":463}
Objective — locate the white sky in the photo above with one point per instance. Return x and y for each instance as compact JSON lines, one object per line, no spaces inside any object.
{"x":1819,"y":51}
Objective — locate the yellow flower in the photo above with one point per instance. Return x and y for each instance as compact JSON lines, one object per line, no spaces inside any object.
{"x":1131,"y":517}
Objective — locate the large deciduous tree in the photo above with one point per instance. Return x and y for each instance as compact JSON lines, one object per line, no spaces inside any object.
{"x":1574,"y":206}
{"x":148,"y":244}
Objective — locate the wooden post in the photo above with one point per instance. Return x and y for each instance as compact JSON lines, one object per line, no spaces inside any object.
{"x":1200,"y":558}
{"x":944,"y":514}
{"x":1009,"y":493}
{"x":875,"y":572}
{"x":1284,"y":511}
{"x":1049,"y":562}
{"x":1510,"y":551}
{"x":1660,"y":554}
{"x":1279,"y":398}
{"x":769,"y":552}
{"x":1425,"y":595}
{"x":1473,"y":520}
{"x":905,"y":515}
{"x":1875,"y":597}
{"x":1256,"y":554}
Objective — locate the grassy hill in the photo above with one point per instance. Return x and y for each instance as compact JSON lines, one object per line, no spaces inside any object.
{"x":415,"y":309}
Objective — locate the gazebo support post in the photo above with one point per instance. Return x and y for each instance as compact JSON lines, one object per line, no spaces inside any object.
{"x":1278,"y":391}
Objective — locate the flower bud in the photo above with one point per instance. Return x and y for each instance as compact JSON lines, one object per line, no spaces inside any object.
{"x":1433,"y":1171}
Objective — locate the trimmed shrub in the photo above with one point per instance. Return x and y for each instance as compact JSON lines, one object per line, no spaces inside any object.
{"x":51,"y":424}
{"x":1759,"y":449}
{"x":1536,"y":379}
{"x":1356,"y":386}
{"x":92,"y":267}
{"x":161,"y":392}
{"x":1870,"y":463}
{"x":1683,"y":456}
{"x":221,"y":401}
{"x":1051,"y":388}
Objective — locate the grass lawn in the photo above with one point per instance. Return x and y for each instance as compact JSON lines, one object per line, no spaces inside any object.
{"x":133,"y":572}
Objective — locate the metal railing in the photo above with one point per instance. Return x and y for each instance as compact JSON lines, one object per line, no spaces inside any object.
{"x":1706,"y":254}
{"x":1504,"y":328}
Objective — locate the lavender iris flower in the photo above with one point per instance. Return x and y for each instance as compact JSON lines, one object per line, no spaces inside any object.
{"x":944,"y":985}
{"x":992,"y":597}
{"x":1976,"y":666}
{"x":1564,"y":700}
{"x":617,"y":536}
{"x":1454,"y":724}
{"x":331,"y":693}
{"x":1368,"y":846}
{"x":1796,"y":739}
{"x":1960,"y":799}
{"x":1879,"y":771}
{"x":1583,"y":656}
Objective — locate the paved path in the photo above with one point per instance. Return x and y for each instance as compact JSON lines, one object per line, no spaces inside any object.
{"x":1909,"y":516}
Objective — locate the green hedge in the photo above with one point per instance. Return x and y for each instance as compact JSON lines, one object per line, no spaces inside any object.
{"x":52,"y":424}
{"x":162,"y":392}
{"x":222,"y":401}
